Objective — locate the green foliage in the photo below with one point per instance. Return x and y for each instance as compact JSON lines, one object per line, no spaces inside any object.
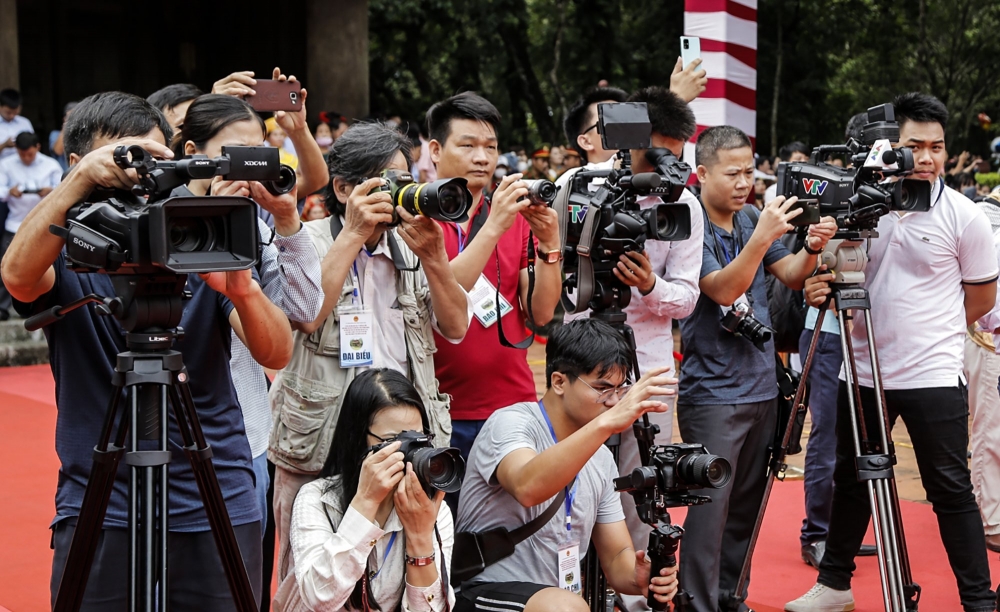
{"x":990,"y":179}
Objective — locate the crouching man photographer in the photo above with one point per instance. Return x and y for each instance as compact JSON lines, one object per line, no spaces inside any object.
{"x":937,"y":278}
{"x":83,"y":348}
{"x":530,"y":455}
{"x":728,"y":388}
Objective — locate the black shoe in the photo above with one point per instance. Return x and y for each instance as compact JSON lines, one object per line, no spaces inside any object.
{"x":867,"y":550}
{"x":812,"y":553}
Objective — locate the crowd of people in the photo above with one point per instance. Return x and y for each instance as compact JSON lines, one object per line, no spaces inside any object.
{"x":316,"y":447}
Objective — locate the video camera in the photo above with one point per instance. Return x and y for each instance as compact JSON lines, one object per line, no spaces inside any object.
{"x":146,"y":231}
{"x":600,"y":217}
{"x":440,"y":469}
{"x":441,"y":200}
{"x":858,"y":196}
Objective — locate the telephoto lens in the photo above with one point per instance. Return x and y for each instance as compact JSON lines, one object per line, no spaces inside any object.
{"x":542,"y":192}
{"x":442,"y":200}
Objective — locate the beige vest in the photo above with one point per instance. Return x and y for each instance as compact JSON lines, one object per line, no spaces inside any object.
{"x":307,"y":394}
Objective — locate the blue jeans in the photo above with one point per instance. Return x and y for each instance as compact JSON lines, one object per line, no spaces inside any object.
{"x":261,"y":484}
{"x":821,"y":451}
{"x":463,"y":435}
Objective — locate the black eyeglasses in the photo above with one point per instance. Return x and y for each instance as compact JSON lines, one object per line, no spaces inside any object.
{"x":588,"y":129}
{"x":394,"y":437}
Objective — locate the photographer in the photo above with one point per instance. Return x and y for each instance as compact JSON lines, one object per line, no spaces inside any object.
{"x":489,"y":251}
{"x":725,"y":378}
{"x":346,"y":550}
{"x":941,"y":272}
{"x":83,"y":348}
{"x":370,"y":273}
{"x":289,"y":268}
{"x":526,"y":454}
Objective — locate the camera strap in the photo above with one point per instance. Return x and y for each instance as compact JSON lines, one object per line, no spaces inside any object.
{"x":585,"y":266}
{"x":398,"y":259}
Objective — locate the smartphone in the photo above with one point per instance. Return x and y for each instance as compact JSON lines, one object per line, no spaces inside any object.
{"x":810,"y":213}
{"x":690,"y":49}
{"x":276,"y":96}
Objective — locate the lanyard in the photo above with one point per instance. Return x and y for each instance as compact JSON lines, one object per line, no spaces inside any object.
{"x":385,"y":555}
{"x":461,"y":243}
{"x":722,"y":244}
{"x":356,"y":297}
{"x":569,"y":493}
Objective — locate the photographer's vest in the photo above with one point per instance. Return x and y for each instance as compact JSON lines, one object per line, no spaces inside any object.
{"x":307,"y":394}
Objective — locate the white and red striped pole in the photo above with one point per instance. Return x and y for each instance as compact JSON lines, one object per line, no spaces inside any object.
{"x":728,"y":33}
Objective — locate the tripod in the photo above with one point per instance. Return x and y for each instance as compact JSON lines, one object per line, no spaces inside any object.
{"x":150,"y":309}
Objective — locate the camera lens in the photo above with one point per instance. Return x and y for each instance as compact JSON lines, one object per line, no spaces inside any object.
{"x":192,"y":234}
{"x":542,"y":192}
{"x":443,"y":200}
{"x":439,"y":468}
{"x":704,"y":470}
{"x":450,"y":200}
{"x":283,"y":184}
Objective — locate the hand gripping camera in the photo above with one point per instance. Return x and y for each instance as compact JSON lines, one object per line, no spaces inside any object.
{"x":440,"y":469}
{"x":441,"y":200}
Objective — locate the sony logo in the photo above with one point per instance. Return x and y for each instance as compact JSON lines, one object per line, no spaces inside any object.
{"x":254,"y":162}
{"x":83,"y":244}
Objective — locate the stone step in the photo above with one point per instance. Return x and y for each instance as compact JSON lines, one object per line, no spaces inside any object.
{"x":13,"y":331}
{"x":23,"y":352}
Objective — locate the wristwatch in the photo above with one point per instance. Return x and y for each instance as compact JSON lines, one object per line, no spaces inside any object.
{"x":549,"y":256}
{"x":809,"y":249}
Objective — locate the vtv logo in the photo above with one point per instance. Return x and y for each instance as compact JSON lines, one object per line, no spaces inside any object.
{"x":814,"y":187}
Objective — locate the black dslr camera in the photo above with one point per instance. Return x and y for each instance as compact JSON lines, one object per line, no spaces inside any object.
{"x":739,"y":320}
{"x":440,"y":469}
{"x":147,"y":231}
{"x":441,"y":200}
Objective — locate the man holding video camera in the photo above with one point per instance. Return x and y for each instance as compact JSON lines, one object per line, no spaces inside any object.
{"x":929,"y":275}
{"x":530,"y":452}
{"x":728,"y":389}
{"x":83,"y":348}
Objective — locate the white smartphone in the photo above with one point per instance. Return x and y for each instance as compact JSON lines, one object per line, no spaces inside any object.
{"x":690,"y":49}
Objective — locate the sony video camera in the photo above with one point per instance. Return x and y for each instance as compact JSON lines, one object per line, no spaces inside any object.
{"x":858,"y":196}
{"x":146,"y":231}
{"x":440,"y":469}
{"x":600,"y":214}
{"x":442,"y":200}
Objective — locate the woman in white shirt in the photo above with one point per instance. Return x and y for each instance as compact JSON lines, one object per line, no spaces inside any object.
{"x":365,"y":535}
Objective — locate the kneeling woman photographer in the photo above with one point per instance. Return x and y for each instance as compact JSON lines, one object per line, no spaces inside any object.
{"x":365,"y":535}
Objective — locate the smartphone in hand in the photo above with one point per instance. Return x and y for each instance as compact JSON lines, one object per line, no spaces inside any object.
{"x":690,"y":49}
{"x":276,"y":96}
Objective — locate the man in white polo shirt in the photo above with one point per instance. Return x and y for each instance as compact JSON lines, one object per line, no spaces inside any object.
{"x":929,"y":276}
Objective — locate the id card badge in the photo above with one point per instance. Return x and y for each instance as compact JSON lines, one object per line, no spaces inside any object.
{"x":740,"y":300}
{"x":357,"y":338}
{"x":569,"y":568}
{"x":484,"y":305}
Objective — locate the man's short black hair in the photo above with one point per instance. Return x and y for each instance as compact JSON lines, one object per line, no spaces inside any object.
{"x":920,"y":107}
{"x":668,"y":114}
{"x":466,"y":105}
{"x":584,"y":346}
{"x":173,"y":95}
{"x":718,"y":138}
{"x":796,"y":146}
{"x":114,"y":115}
{"x":26,"y":140}
{"x":854,"y":126}
{"x":11,"y":98}
{"x":578,"y":117}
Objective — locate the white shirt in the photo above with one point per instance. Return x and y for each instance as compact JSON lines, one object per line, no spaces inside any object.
{"x":10,"y":129}
{"x":43,"y":172}
{"x":991,"y":320}
{"x":915,"y":275}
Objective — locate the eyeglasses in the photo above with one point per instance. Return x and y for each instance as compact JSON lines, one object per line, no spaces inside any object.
{"x":394,"y":437}
{"x":605,"y":395}
{"x":588,"y":129}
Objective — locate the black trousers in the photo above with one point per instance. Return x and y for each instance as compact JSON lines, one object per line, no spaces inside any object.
{"x":937,"y":420}
{"x":195,"y":574}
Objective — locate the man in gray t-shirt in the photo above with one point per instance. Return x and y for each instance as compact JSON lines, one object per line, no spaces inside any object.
{"x":526,"y":454}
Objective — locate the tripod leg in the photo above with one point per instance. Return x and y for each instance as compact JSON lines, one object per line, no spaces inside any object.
{"x":200,"y":455}
{"x":89,"y":524}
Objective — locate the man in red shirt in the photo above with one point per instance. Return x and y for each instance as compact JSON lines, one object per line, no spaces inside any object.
{"x":480,"y":374}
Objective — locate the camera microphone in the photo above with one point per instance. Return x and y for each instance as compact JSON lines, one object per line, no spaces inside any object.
{"x":642,"y":183}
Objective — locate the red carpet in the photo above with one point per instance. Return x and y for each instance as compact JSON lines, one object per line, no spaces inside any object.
{"x":28,"y":468}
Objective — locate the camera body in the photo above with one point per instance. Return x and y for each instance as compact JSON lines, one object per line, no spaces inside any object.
{"x":739,"y":320}
{"x":437,"y":469}
{"x":674,"y":469}
{"x":541,"y":192}
{"x":441,"y":200}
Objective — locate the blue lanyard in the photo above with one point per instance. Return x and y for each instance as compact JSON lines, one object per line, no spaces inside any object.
{"x":385,"y":555}
{"x":357,"y":284}
{"x":461,"y":243}
{"x":722,"y":243}
{"x":569,"y":493}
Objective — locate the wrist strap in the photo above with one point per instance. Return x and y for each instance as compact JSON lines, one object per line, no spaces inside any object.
{"x":809,"y":249}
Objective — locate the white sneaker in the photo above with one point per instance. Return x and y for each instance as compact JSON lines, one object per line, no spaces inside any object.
{"x":822,"y":599}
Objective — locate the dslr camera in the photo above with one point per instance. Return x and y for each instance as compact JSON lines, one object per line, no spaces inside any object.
{"x":437,"y":469}
{"x":441,"y":200}
{"x":739,"y":320}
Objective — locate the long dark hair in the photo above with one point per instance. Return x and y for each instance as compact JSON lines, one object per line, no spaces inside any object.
{"x":371,"y":392}
{"x":210,"y":114}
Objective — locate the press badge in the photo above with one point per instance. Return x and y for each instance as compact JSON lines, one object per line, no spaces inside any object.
{"x":484,"y":296}
{"x":569,"y":568}
{"x":357,"y":340}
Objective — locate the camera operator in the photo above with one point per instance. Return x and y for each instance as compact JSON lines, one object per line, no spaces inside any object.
{"x":289,"y":268}
{"x":399,"y":309}
{"x":795,"y":151}
{"x":941,"y":273}
{"x":725,"y":379}
{"x":664,"y":281}
{"x":490,"y":249}
{"x":580,"y":126}
{"x":83,"y":348}
{"x":345,"y":525}
{"x":527,"y":453}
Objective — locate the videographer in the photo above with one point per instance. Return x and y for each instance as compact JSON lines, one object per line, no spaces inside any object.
{"x":289,"y":268}
{"x":941,"y":272}
{"x":580,"y":126}
{"x":362,"y":254}
{"x":346,"y":549}
{"x":83,"y":348}
{"x":527,"y":453}
{"x":725,"y":378}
